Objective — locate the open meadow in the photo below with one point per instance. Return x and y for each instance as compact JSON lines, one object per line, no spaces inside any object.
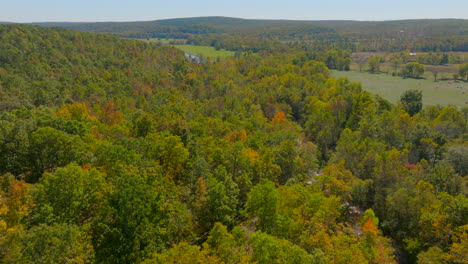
{"x":164,"y":41}
{"x":205,"y":51}
{"x":202,"y":51}
{"x":447,"y":92}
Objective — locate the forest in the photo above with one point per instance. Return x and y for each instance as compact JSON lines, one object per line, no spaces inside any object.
{"x":116,"y":150}
{"x":246,"y":34}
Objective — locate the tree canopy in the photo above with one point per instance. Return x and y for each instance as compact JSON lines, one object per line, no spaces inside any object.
{"x":120,"y":151}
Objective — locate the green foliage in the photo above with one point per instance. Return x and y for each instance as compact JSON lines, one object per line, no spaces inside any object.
{"x":369,"y":215}
{"x":413,"y":70}
{"x":70,"y":195}
{"x":450,"y":122}
{"x":333,"y":58}
{"x":458,"y":157}
{"x":374,"y":63}
{"x":109,"y":155}
{"x":426,"y":144}
{"x":263,"y":203}
{"x":268,"y":249}
{"x":51,"y":148}
{"x":391,"y":87}
{"x":60,"y":243}
{"x":14,"y":146}
{"x":224,"y":245}
{"x":412,"y":101}
{"x":170,"y":152}
{"x":444,"y":179}
{"x":463,"y":71}
{"x":222,"y":198}
{"x":183,"y":253}
{"x":432,"y":256}
{"x":236,"y":33}
{"x":132,"y":153}
{"x":137,"y":223}
{"x":205,"y":51}
{"x":432,"y":58}
{"x":56,"y":66}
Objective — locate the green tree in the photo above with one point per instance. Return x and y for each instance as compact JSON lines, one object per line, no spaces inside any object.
{"x":222,"y":198}
{"x":51,"y":148}
{"x":263,"y":203}
{"x":110,"y":155}
{"x":458,"y":253}
{"x":183,"y":253}
{"x":286,"y":157}
{"x":374,"y":63}
{"x":225,"y":245}
{"x":70,"y":195}
{"x":463,"y":71}
{"x":170,"y":153}
{"x":411,"y":101}
{"x":450,"y":122}
{"x":271,"y":250}
{"x":43,"y":244}
{"x":137,"y":223}
{"x":458,"y":156}
{"x":444,"y":179}
{"x":15,"y":145}
{"x":433,"y":255}
{"x":396,"y":60}
{"x":413,"y":70}
{"x":143,"y":125}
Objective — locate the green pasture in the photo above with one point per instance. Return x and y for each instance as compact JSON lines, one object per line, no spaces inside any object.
{"x":205,"y":51}
{"x":446,"y":92}
{"x":164,"y":41}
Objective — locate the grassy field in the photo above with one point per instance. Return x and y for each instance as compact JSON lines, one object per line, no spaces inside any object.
{"x":205,"y":51}
{"x":202,"y":51}
{"x":443,"y":71}
{"x":391,"y":88}
{"x":164,"y":41}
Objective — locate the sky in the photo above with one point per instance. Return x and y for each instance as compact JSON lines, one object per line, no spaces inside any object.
{"x":144,"y":10}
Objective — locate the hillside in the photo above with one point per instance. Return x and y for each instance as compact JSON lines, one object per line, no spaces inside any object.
{"x":423,"y":27}
{"x":420,"y":35}
{"x":221,"y":24}
{"x":115,"y":150}
{"x":43,"y":66}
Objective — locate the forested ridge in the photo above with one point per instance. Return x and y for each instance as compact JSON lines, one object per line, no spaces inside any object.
{"x":119,"y":151}
{"x":238,"y":34}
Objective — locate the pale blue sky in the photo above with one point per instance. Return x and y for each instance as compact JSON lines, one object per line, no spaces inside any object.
{"x":142,"y":10}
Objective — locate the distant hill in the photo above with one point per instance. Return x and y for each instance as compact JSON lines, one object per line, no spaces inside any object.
{"x":239,"y":34}
{"x":185,"y":27}
{"x":204,"y":25}
{"x":225,"y":24}
{"x":47,"y":66}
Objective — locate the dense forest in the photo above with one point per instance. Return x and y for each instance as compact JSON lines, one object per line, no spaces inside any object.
{"x":238,"y":34}
{"x":119,"y":151}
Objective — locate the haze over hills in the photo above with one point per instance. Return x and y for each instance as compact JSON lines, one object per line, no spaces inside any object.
{"x":396,"y":35}
{"x":216,"y":24}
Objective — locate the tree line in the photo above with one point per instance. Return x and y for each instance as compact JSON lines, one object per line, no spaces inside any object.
{"x":119,"y":151}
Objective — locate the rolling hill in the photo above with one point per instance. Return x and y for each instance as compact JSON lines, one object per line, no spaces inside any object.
{"x":423,"y":27}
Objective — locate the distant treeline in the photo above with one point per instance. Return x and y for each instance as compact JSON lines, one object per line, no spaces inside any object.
{"x":120,"y":151}
{"x":355,"y":44}
{"x":235,"y":34}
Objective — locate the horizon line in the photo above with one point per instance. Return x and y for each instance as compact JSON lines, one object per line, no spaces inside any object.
{"x":265,"y":19}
